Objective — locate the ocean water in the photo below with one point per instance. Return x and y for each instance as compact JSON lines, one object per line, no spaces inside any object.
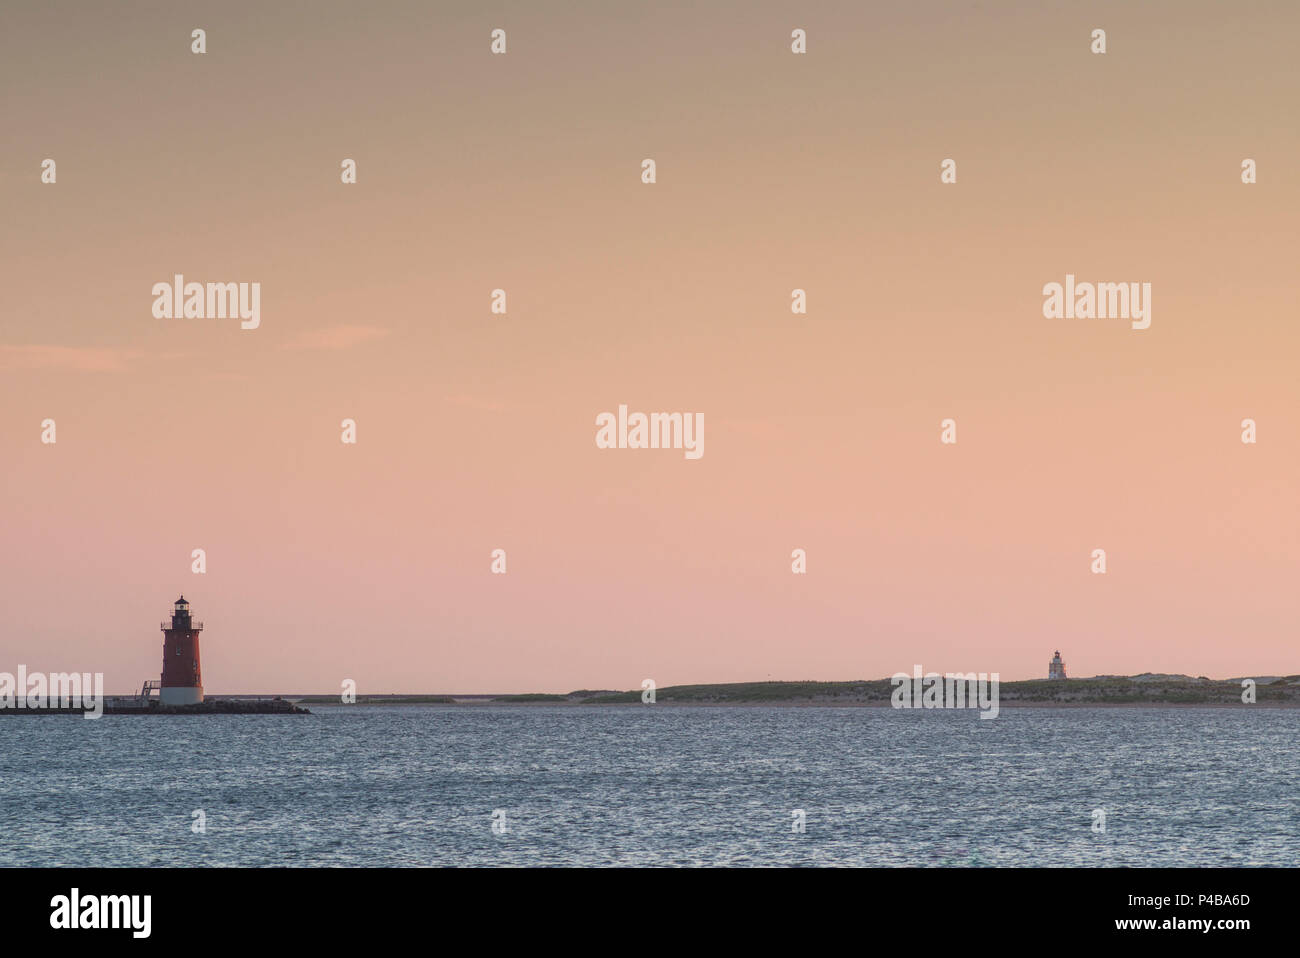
{"x":654,"y":785}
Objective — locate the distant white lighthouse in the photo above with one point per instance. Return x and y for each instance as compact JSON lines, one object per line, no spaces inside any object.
{"x":1056,"y":668}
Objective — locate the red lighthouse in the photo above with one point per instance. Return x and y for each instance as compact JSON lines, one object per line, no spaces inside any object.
{"x":181,"y":682}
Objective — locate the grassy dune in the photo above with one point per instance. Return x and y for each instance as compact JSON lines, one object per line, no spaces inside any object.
{"x":1145,"y":689}
{"x":1102,"y":690}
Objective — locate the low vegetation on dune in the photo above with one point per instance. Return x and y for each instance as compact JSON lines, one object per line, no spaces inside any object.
{"x":1145,"y":689}
{"x":1102,"y":690}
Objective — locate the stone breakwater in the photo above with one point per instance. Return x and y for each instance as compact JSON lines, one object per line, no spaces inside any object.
{"x":131,"y":706}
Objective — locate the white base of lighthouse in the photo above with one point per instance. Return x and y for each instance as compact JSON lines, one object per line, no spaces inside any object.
{"x":181,"y":695}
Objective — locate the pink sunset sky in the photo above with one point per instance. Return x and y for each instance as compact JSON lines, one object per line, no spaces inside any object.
{"x":476,"y":431}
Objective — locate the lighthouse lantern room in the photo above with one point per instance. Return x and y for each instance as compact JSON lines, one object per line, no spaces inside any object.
{"x":182,"y":683}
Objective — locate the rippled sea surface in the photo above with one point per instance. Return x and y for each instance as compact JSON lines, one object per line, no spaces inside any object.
{"x":654,"y":785}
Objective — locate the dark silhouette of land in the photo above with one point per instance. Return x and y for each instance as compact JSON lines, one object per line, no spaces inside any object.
{"x":1147,"y":689}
